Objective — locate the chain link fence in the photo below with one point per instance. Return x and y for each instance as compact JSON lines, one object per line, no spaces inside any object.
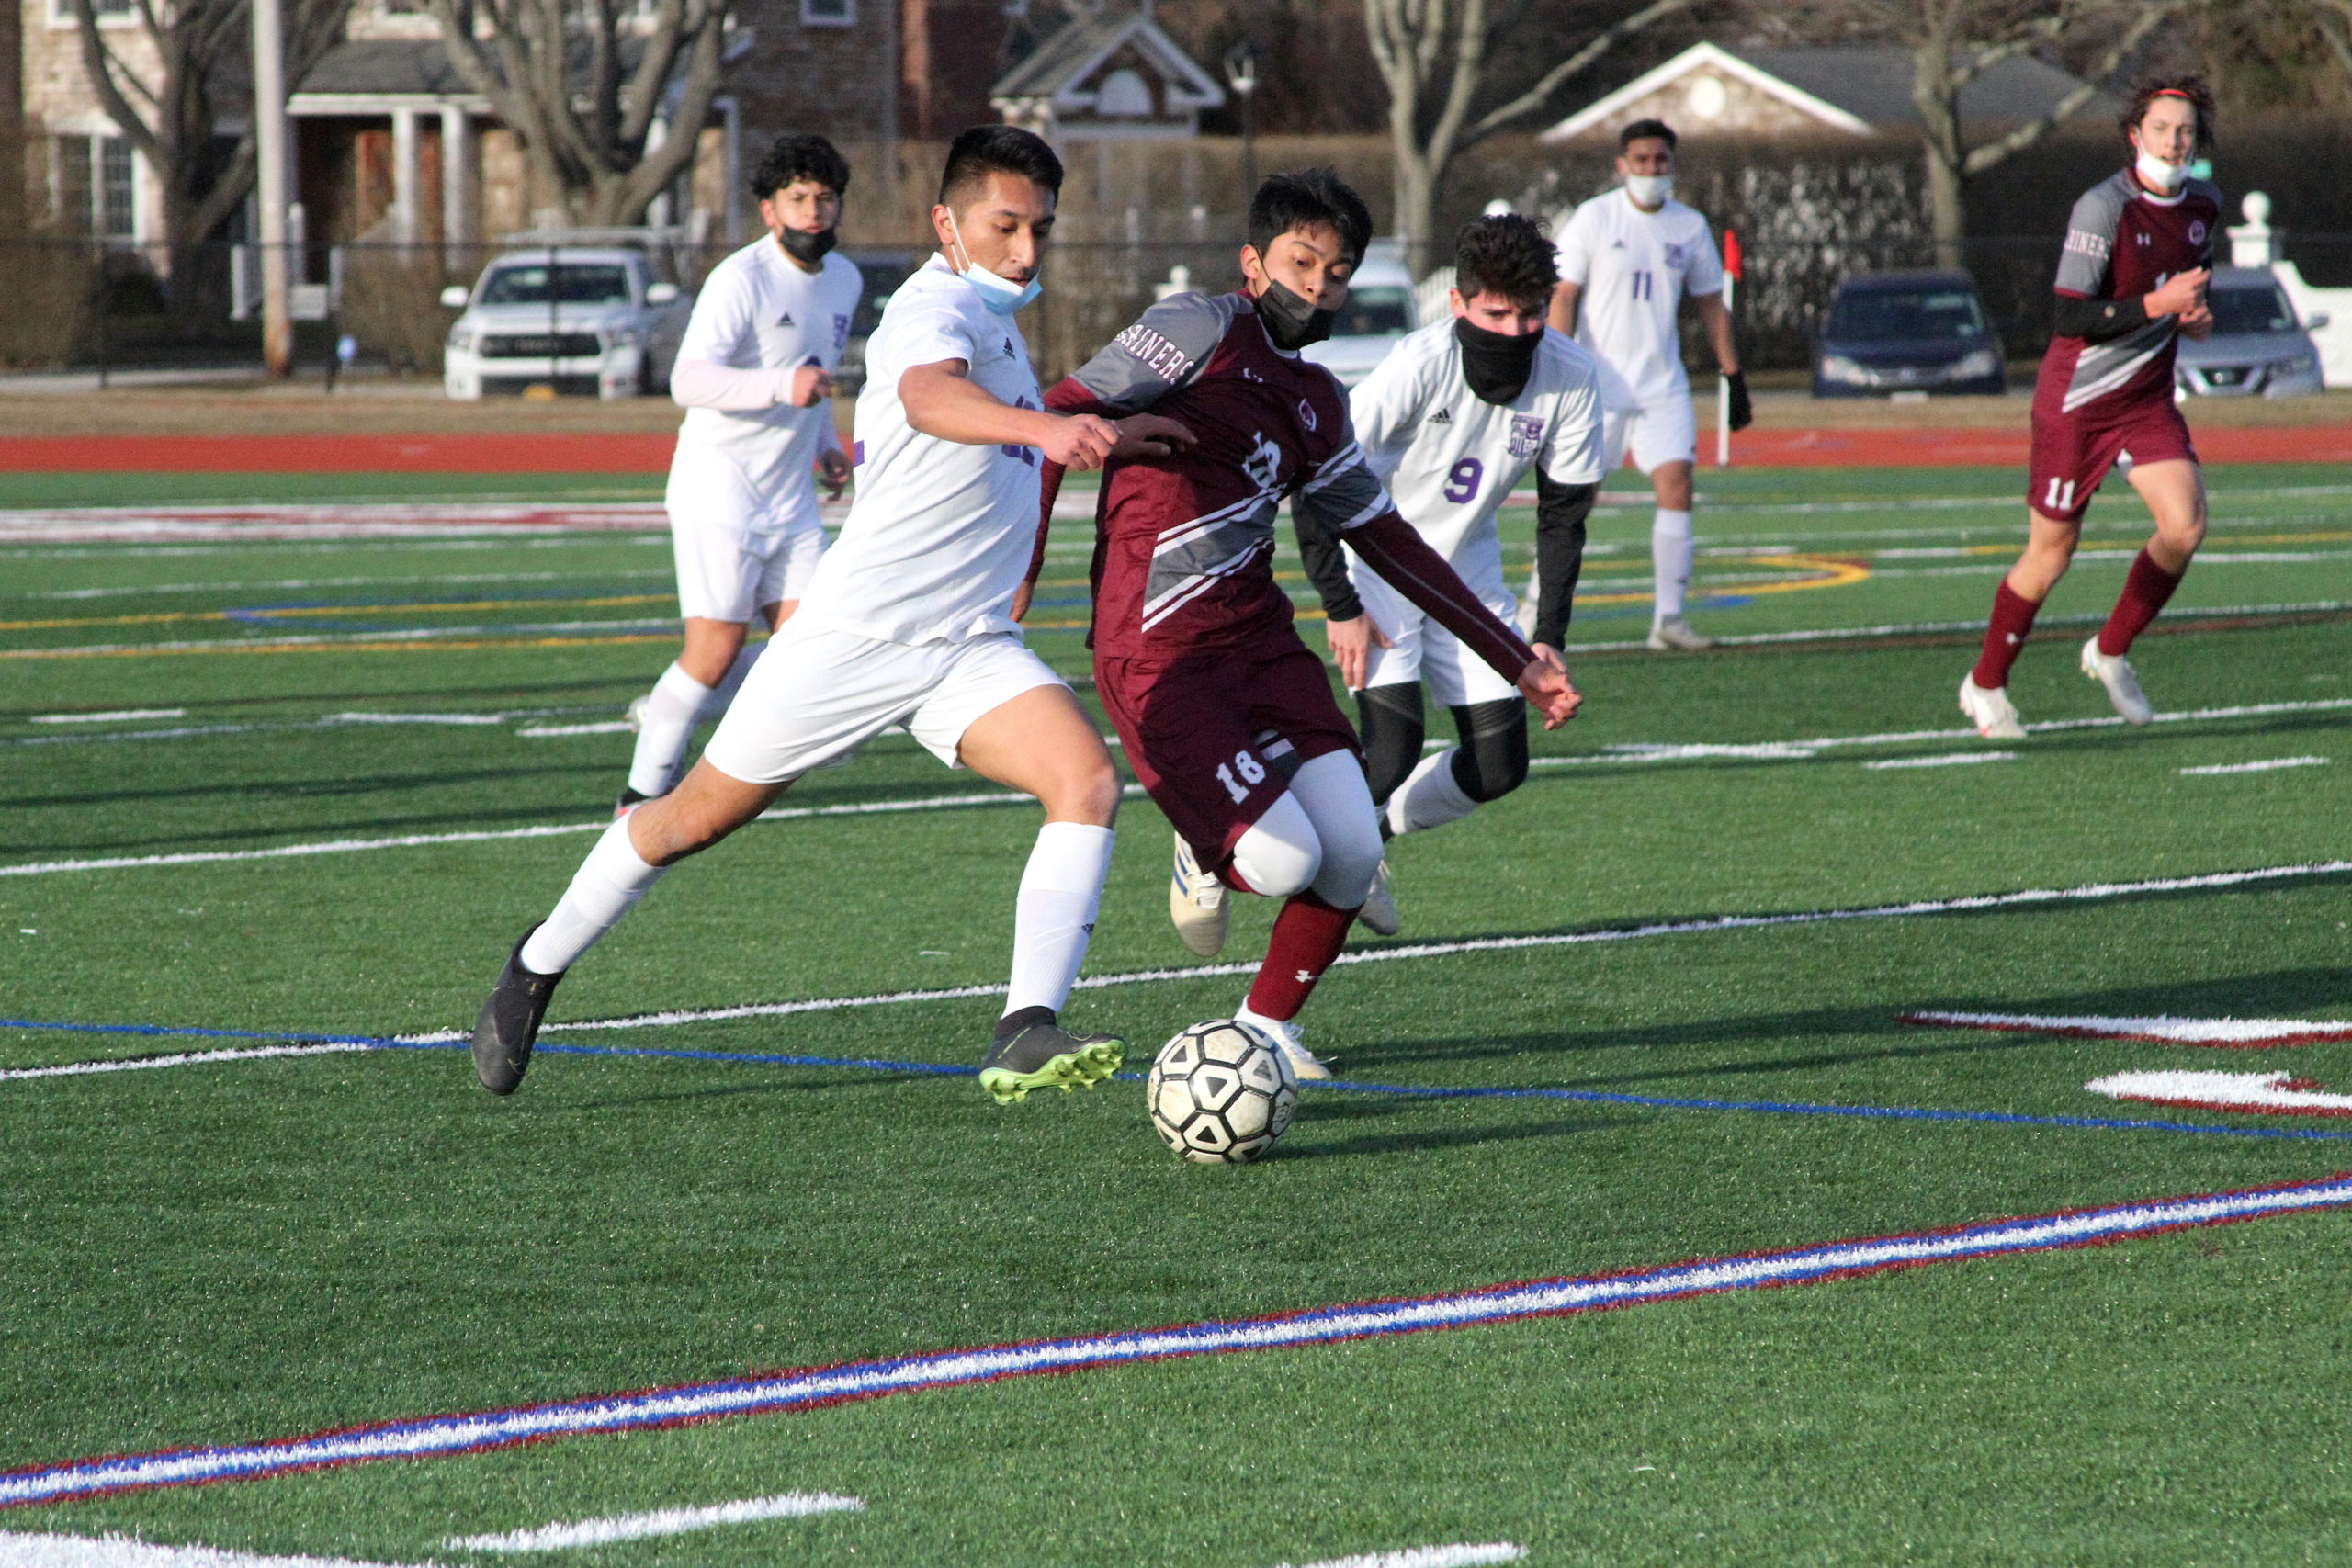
{"x":84,"y":305}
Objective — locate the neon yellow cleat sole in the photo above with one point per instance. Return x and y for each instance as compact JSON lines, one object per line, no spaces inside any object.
{"x":1029,"y":1060}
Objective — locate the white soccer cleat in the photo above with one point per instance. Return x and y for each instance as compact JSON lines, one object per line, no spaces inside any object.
{"x":2114,"y":672}
{"x":1995,"y":716}
{"x":634,"y":715}
{"x":1379,"y":911}
{"x":1197,"y":905}
{"x":1674,"y":632}
{"x":1284,"y":1035}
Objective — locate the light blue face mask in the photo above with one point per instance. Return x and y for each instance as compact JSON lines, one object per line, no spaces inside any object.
{"x":1000,"y":294}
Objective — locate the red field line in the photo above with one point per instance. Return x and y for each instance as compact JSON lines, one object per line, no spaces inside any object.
{"x":588,"y":452}
{"x":555,"y":451}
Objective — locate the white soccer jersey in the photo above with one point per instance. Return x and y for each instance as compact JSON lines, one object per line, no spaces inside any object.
{"x":1634,"y":267}
{"x":941,"y":532}
{"x":1451,"y":458}
{"x":758,"y":311}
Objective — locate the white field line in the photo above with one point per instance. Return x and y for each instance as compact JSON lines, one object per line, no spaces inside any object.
{"x":1463,"y":1556}
{"x":1943,"y":760}
{"x":119,"y":591}
{"x":663,"y":1521}
{"x":118,"y":715}
{"x":123,"y":1552}
{"x":2027,"y":897}
{"x":1626,"y":751}
{"x":414,"y":718}
{"x":1924,"y":629}
{"x":2251,"y":1094}
{"x":2268,"y":766}
{"x":2162,"y":1029}
{"x":545,"y":731}
{"x":353,"y":640}
{"x":198,"y":731}
{"x":177,"y":1059}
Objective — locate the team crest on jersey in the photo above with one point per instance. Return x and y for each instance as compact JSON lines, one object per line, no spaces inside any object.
{"x":1305,"y":413}
{"x":1526,"y":434}
{"x":1674,"y":257}
{"x":2197,"y":231}
{"x":841,"y":333}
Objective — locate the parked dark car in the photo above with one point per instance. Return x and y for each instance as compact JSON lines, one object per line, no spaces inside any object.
{"x":1908,"y":331}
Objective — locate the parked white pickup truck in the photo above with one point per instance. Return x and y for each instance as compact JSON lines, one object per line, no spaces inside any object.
{"x":585,"y":319}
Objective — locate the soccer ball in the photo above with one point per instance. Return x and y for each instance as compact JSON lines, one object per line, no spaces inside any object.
{"x":1222,"y":1091}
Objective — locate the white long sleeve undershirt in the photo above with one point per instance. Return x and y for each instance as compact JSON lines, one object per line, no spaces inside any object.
{"x":703,"y":384}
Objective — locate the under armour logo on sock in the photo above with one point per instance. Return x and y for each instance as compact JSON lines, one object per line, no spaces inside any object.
{"x":1306,"y":976}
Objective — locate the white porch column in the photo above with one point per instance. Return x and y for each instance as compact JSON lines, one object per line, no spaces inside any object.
{"x":404,"y":176}
{"x":457,"y":186}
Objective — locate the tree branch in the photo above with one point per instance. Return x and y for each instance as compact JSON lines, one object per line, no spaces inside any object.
{"x":2152,"y":14}
{"x":1534,"y":98}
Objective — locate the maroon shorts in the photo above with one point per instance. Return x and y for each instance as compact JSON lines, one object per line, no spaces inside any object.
{"x":2072,"y":452}
{"x":1215,"y":738}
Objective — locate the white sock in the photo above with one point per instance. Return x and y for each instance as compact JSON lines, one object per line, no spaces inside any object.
{"x":663,"y":726}
{"x":607,"y":884}
{"x":1061,"y":891}
{"x":1429,"y":796}
{"x":733,"y":682}
{"x":1671,"y":547}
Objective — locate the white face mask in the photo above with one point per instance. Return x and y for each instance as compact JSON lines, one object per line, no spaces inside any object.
{"x":2159,"y":175}
{"x":999,"y":294}
{"x":1649,"y":191}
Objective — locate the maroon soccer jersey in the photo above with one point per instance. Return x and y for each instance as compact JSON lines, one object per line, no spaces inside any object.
{"x":2123,"y":242}
{"x":1184,"y":545}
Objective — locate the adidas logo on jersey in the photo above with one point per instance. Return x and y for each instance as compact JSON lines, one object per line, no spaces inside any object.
{"x":1442,"y":417}
{"x":784,"y":319}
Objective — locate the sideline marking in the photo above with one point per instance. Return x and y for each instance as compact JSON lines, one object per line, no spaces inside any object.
{"x":661,"y":1521}
{"x":125,"y":1551}
{"x":2267,"y":765}
{"x":781,"y":1393}
{"x":2225,"y":1033}
{"x":2242,"y":1094}
{"x":1943,"y":760}
{"x":1458,"y":1556}
{"x":1930,"y":628}
{"x":184,"y":1059}
{"x":606,"y":727}
{"x":108,"y":718}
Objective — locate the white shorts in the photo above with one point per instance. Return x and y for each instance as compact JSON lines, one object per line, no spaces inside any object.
{"x":1426,"y":651}
{"x":738,"y":546}
{"x":818,"y":694}
{"x":1665,"y":431}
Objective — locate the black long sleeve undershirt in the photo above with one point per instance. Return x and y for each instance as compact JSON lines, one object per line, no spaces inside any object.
{"x":1560,"y":513}
{"x":2097,"y":320}
{"x":1326,"y":569}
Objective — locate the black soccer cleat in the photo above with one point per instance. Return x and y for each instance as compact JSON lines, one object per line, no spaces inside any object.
{"x":510,"y":1022}
{"x":1046,"y":1055}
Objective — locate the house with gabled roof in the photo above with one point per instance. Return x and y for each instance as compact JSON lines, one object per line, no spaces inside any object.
{"x":1110,"y":73}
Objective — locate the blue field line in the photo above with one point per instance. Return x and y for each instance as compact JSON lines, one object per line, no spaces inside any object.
{"x":783,"y":1393}
{"x":1345,"y":1086}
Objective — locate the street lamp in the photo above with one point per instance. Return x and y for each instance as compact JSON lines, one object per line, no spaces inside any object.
{"x":1242,"y":74}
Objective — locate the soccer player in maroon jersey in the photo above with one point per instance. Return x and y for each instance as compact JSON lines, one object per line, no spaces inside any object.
{"x":1226,"y":716}
{"x":2139,"y":250}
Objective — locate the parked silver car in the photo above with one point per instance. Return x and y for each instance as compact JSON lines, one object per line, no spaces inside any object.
{"x":2259,"y":348}
{"x":586,"y":319}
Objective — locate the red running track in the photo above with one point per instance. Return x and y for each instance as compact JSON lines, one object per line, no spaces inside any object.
{"x":580,"y":452}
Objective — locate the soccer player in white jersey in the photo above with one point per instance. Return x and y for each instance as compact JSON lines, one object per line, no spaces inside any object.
{"x":908,"y":619}
{"x":754,"y":375}
{"x":1628,"y":258}
{"x":1454,"y":419}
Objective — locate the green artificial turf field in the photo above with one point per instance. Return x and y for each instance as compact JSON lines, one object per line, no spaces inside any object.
{"x":422,"y":725}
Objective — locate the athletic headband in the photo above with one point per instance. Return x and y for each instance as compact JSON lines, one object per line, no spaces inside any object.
{"x":2171,"y":93}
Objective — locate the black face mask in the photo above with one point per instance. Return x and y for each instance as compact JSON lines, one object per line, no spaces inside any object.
{"x":1496,"y":365}
{"x":806,"y":248}
{"x":1290,"y":320}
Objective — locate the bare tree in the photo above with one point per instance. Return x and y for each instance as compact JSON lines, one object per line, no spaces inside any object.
{"x":169,"y":111}
{"x":1954,"y":43}
{"x":584,"y":83}
{"x":2333,"y":20}
{"x":1440,"y":61}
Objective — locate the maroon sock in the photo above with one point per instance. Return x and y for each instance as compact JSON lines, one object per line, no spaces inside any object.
{"x":2144,"y":592}
{"x":1308,"y":934}
{"x":2005,"y":636}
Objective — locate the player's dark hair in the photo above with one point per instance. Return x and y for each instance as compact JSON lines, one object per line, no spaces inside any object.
{"x":987,"y":149}
{"x":1648,"y":131}
{"x":1507,"y":255}
{"x":1300,"y":199}
{"x":794,"y":157}
{"x":2189,"y":85}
